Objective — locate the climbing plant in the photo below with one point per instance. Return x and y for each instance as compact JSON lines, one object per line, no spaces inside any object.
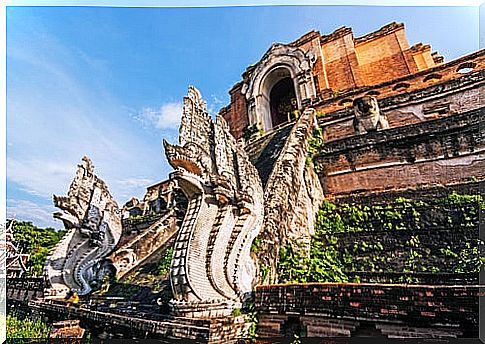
{"x":314,"y":146}
{"x":165,"y":262}
{"x":351,"y":239}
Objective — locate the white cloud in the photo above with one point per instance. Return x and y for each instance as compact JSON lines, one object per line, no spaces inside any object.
{"x":55,"y":116}
{"x":215,"y":104}
{"x":44,"y":178}
{"x":39,"y":215}
{"x":133,"y":187}
{"x":40,"y":177}
{"x":136,"y":182}
{"x":166,"y":117}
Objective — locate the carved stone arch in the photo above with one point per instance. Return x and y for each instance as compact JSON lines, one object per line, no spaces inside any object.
{"x":279,"y":62}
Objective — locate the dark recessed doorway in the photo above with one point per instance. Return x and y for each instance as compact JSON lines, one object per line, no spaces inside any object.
{"x":283,"y":102}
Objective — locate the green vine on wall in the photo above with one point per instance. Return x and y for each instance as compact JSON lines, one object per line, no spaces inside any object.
{"x":165,"y":262}
{"x":334,"y":256}
{"x":314,"y":146}
{"x":22,"y":328}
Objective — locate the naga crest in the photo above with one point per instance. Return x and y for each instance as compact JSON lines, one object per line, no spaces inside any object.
{"x":211,"y":262}
{"x":368,"y":116}
{"x":93,"y":223}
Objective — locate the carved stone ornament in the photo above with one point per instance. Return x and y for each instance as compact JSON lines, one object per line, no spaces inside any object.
{"x":367,"y":116}
{"x":93,"y":223}
{"x":212,"y":271}
{"x":278,"y":62}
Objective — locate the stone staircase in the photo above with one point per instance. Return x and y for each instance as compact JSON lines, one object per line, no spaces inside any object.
{"x":264,"y":151}
{"x":145,"y":245}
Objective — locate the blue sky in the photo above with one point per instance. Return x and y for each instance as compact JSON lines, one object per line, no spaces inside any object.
{"x":109,"y":82}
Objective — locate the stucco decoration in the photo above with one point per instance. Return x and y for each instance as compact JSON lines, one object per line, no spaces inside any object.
{"x":212,"y":271}
{"x":93,"y":223}
{"x":279,"y":62}
{"x":367,"y":116}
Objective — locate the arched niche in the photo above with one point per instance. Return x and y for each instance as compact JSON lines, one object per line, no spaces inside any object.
{"x":276,"y":98}
{"x":280,"y":64}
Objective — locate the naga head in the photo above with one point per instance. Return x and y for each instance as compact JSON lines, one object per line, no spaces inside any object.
{"x":191,"y":164}
{"x":208,"y":155}
{"x":191,"y":158}
{"x":75,"y":205}
{"x":93,"y":220}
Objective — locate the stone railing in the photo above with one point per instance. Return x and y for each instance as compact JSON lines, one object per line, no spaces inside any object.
{"x":135,"y":322}
{"x":140,"y":223}
{"x":283,"y":194}
{"x":140,"y":248}
{"x":32,"y":283}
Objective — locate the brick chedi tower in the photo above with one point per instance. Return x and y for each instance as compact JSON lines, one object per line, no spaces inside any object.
{"x":351,"y":163}
{"x":396,"y":132}
{"x":316,"y":67}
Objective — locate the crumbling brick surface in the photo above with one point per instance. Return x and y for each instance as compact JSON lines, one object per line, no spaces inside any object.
{"x":445,"y":307}
{"x":439,"y":152}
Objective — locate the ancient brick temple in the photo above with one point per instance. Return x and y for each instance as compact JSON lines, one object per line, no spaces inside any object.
{"x":315,"y":70}
{"x":393,"y":122}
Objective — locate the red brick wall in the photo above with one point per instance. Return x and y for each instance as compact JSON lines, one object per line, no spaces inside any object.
{"x":311,"y":41}
{"x":450,"y":171}
{"x":236,"y":113}
{"x":383,"y":59}
{"x":340,"y":63}
{"x":351,"y":63}
{"x":422,"y":306}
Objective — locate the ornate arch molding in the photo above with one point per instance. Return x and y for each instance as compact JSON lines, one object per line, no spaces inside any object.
{"x":258,"y":80}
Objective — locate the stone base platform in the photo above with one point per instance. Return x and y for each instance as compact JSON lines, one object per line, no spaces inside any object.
{"x":137,"y":325}
{"x":368,"y":310}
